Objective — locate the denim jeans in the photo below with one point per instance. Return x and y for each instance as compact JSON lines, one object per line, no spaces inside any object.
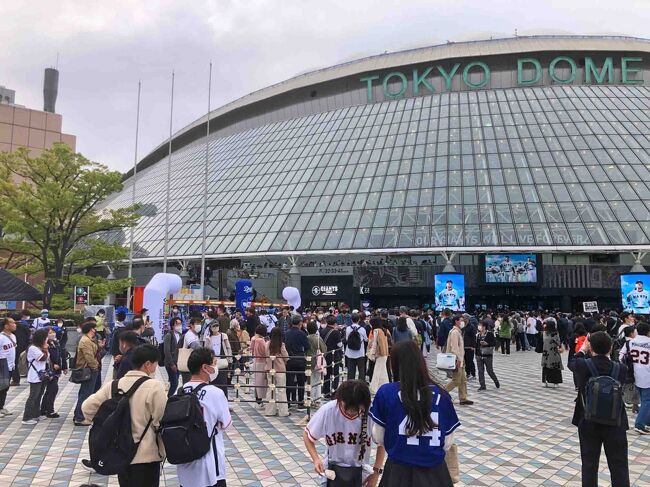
{"x":85,"y":391}
{"x":173,"y":381}
{"x":643,"y":417}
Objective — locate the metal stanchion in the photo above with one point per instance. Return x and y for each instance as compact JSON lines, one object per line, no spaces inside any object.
{"x":308,"y":372}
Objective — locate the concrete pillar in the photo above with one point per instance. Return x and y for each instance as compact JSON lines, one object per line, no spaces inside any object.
{"x":294,"y":277}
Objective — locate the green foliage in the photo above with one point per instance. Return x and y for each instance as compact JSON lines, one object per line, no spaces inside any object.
{"x":51,"y":218}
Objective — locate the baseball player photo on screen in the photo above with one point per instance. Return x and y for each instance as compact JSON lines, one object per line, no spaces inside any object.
{"x":634,"y":291}
{"x":511,"y":268}
{"x":450,"y":292}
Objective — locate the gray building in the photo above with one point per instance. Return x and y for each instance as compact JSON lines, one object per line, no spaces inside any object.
{"x":533,"y":145}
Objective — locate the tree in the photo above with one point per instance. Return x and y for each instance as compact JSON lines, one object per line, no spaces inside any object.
{"x":50,"y":215}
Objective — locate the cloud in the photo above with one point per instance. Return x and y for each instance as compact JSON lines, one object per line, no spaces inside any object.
{"x":106,"y":47}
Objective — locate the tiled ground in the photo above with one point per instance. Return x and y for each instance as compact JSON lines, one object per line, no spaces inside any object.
{"x":520,"y":435}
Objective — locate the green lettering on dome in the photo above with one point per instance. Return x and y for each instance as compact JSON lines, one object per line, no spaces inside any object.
{"x":369,"y":80}
{"x":607,"y":70}
{"x":572,"y":65}
{"x":520,"y":71}
{"x":422,"y":80}
{"x":401,"y":91}
{"x":448,"y":76}
{"x":486,"y":74}
{"x":626,"y":70}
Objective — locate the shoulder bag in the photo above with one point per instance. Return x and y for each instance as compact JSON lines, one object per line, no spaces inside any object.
{"x":320,"y":358}
{"x":222,"y":362}
{"x":183,"y":355}
{"x":80,"y":375}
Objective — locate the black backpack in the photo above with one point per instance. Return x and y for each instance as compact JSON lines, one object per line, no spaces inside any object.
{"x":161,"y":352}
{"x":628,"y":360}
{"x":111,"y":441}
{"x":182,"y":428}
{"x":603,"y":397}
{"x":354,"y":338}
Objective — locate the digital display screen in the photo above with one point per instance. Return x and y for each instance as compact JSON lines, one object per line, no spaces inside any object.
{"x":450,"y":292}
{"x":634,"y":293}
{"x":511,"y":269}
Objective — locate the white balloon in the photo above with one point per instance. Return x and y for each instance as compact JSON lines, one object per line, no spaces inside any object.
{"x":292,"y":295}
{"x":160,"y":286}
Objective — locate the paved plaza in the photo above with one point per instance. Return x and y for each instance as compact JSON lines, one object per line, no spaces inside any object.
{"x":519,"y":435}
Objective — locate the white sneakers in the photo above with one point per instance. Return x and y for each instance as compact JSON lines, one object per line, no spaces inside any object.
{"x":5,"y":412}
{"x":30,"y":422}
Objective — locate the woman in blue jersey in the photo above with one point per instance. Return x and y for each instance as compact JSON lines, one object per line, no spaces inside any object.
{"x":414,"y":419}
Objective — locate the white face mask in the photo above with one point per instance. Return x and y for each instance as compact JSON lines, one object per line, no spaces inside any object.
{"x":214,"y":375}
{"x":323,"y":325}
{"x":178,"y":328}
{"x":78,"y":330}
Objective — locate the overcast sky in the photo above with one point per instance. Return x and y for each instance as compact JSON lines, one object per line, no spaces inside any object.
{"x":105,"y":47}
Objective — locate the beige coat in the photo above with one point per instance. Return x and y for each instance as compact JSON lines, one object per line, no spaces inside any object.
{"x":148,"y":402}
{"x":456,"y":345}
{"x":86,"y":353}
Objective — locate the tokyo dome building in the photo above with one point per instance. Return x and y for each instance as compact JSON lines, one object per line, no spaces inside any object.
{"x":375,"y":175}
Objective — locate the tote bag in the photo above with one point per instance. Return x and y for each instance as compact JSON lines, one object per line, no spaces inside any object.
{"x":446,"y":361}
{"x":183,"y":355}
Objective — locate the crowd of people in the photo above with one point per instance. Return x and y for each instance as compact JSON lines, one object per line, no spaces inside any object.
{"x":365,"y":374}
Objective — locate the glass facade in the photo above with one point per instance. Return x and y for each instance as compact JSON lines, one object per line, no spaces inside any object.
{"x":515,"y":167}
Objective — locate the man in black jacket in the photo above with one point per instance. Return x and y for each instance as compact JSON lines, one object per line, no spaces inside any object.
{"x":297,"y":347}
{"x":334,"y":342}
{"x":120,"y":326}
{"x":469,"y":339}
{"x":252,"y":321}
{"x":128,"y":341}
{"x":593,"y":436}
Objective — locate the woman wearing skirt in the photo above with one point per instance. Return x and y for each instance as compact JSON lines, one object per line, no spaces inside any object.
{"x":551,"y":357}
{"x":379,"y":352}
{"x":414,"y":419}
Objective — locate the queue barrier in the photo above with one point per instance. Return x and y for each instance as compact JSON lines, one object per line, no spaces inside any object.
{"x":241,"y":378}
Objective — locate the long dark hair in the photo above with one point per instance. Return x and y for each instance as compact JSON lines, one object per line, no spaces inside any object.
{"x":402,"y":325}
{"x":411,"y":371}
{"x":275,"y":344}
{"x":356,"y":394}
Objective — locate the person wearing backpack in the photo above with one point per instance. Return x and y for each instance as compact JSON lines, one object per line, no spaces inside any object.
{"x":505,"y":334}
{"x":146,"y":399}
{"x":209,"y":469}
{"x":355,"y":352}
{"x":638,"y":351}
{"x":600,"y":424}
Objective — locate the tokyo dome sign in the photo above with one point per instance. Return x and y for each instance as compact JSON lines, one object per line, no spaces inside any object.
{"x":476,"y":74}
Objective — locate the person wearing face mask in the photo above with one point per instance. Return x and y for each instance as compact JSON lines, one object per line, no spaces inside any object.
{"x":41,"y":321}
{"x":58,"y":366}
{"x":128,"y":341}
{"x":86,"y":358}
{"x":147,"y":406}
{"x":485,"y":342}
{"x":171,"y":343}
{"x":191,"y":340}
{"x":209,"y":470}
{"x":456,"y":345}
